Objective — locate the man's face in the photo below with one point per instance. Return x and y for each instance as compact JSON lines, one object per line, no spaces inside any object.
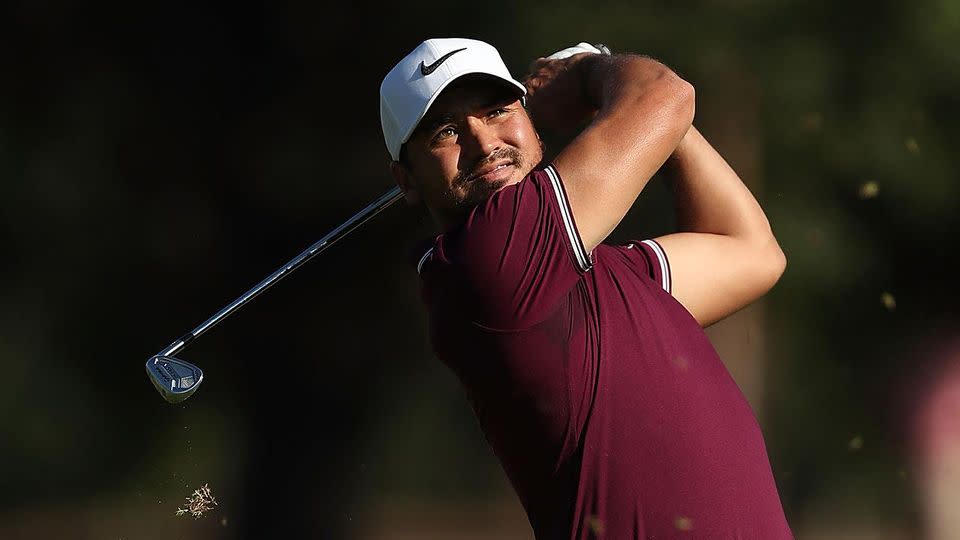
{"x":475,"y":140}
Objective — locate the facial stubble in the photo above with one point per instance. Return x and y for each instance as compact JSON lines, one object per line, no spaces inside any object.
{"x":475,"y":190}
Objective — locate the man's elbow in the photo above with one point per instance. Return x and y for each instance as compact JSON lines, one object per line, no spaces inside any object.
{"x":688,"y":102}
{"x":676,"y":96}
{"x":781,"y":262}
{"x":773,"y":262}
{"x":654,"y":98}
{"x":683,"y":101}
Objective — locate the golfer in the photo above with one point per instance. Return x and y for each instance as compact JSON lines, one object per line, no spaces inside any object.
{"x":585,"y":362}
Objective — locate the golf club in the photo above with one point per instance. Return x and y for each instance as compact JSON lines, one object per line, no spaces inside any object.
{"x":175,"y":379}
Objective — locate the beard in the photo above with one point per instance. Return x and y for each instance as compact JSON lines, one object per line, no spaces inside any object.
{"x":475,"y":191}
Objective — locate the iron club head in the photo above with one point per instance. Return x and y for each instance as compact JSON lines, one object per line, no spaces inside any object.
{"x":175,"y":379}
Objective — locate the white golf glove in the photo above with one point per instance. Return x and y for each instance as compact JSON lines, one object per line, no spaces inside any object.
{"x":582,"y":47}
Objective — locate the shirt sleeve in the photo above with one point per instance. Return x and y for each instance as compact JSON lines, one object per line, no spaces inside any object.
{"x":648,"y":258}
{"x":518,"y":253}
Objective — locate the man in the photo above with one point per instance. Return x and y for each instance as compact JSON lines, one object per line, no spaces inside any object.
{"x":584,"y":362}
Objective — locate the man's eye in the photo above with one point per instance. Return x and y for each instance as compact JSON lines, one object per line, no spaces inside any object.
{"x":445,"y":133}
{"x":497,"y":112}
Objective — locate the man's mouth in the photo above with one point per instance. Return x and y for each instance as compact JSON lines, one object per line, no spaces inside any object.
{"x":499,"y":171}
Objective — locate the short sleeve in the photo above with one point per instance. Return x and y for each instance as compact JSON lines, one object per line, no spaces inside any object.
{"x":649,"y":258}
{"x":517,"y":254}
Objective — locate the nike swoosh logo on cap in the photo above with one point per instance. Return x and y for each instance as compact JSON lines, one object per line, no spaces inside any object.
{"x":426,"y":70}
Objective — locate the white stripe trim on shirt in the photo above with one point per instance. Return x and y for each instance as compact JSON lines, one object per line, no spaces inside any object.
{"x":579,"y":252}
{"x":665,"y":280}
{"x":424,"y":259}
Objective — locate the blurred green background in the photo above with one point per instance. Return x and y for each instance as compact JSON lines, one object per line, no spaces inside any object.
{"x":159,"y":158}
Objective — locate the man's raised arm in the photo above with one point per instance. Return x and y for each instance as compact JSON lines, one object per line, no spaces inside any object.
{"x":640,"y":111}
{"x":725,"y":255}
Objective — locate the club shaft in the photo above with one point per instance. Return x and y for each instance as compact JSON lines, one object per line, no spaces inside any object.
{"x":331,"y":238}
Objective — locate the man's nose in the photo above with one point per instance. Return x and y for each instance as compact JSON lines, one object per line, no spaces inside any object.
{"x":481,"y":139}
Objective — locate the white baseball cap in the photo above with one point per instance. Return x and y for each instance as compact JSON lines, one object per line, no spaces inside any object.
{"x":415,"y":82}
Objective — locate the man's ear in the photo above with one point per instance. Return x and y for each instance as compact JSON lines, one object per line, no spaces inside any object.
{"x":403,"y":178}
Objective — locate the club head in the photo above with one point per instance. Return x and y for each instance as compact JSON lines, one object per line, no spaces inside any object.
{"x":176,"y":380}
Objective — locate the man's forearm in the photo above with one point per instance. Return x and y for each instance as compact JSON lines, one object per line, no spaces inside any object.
{"x":709,"y":195}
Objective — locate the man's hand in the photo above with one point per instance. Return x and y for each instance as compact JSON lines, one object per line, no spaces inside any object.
{"x":556,"y":98}
{"x":561,"y":103}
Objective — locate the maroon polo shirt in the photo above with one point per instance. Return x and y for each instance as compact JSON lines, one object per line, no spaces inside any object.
{"x":606,"y":404}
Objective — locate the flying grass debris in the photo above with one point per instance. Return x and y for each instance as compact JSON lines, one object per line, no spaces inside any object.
{"x":869,"y":190}
{"x":855,"y":444}
{"x":888,"y":301}
{"x":201,"y":501}
{"x":596,"y":525}
{"x":912,"y":145}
